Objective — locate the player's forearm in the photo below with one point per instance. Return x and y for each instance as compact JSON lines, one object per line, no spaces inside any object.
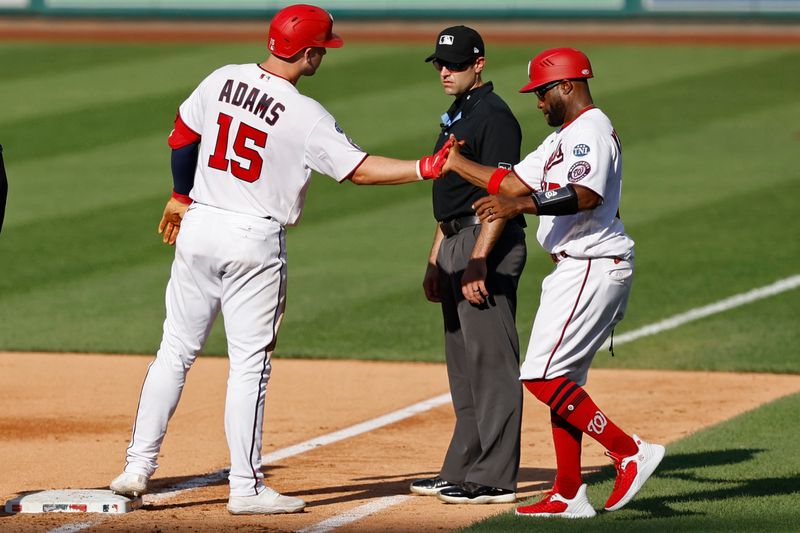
{"x":480,"y":175}
{"x":471,"y":171}
{"x":487,"y":238}
{"x":525,"y":204}
{"x":377,"y":170}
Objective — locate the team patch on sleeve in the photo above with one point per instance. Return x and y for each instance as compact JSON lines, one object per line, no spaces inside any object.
{"x":349,"y":139}
{"x":580,"y":150}
{"x":578,"y":171}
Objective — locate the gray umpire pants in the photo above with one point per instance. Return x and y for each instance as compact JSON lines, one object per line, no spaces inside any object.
{"x":482,"y":353}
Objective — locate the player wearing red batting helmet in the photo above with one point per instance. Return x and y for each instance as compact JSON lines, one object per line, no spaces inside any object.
{"x":244,"y":145}
{"x":573,"y":183}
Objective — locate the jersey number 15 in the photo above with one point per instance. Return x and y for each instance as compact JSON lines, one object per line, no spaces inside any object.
{"x":218,"y":159}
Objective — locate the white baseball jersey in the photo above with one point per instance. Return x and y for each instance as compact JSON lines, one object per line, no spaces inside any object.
{"x":261,"y":139}
{"x":584,"y":152}
{"x":586,"y":295}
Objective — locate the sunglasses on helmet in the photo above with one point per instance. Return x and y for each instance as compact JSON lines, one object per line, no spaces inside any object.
{"x":439,"y":64}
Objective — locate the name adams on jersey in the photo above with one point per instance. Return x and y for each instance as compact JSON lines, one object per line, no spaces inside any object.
{"x":252,"y":100}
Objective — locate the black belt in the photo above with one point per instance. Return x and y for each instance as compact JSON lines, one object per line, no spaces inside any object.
{"x":557,"y":258}
{"x":451,"y":227}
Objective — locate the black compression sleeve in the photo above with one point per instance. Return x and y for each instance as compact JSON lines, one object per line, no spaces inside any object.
{"x":184,"y":162}
{"x":555,"y":202}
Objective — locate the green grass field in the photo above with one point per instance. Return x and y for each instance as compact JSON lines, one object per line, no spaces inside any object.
{"x":710,"y":135}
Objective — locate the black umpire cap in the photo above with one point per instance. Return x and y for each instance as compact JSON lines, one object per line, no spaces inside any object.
{"x":458,"y":44}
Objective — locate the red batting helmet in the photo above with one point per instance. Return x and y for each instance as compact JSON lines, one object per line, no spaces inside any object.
{"x":557,"y":64}
{"x":299,"y":26}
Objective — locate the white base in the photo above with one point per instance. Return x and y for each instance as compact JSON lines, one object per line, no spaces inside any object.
{"x":73,"y":501}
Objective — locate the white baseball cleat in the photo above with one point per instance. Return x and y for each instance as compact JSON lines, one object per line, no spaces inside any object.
{"x":556,"y":505}
{"x":266,"y":502}
{"x":633,"y":471}
{"x":129,"y":484}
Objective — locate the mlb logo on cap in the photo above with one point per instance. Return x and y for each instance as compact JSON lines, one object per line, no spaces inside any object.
{"x":457,"y":44}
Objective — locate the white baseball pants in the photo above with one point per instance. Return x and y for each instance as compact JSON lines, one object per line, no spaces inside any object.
{"x":582,"y":300}
{"x":237,"y":264}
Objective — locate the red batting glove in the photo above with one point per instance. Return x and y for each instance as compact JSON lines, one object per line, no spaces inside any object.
{"x":430,"y":166}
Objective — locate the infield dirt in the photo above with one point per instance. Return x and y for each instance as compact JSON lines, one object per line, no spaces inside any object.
{"x":66,"y":423}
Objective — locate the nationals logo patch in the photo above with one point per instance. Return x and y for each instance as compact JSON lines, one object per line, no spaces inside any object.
{"x":580,"y":150}
{"x":578,"y":171}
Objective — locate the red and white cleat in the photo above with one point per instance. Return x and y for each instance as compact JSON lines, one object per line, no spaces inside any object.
{"x":554,"y":504}
{"x":632,"y":472}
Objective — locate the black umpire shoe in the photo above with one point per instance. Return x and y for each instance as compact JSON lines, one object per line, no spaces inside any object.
{"x":430,"y":486}
{"x":475,"y":493}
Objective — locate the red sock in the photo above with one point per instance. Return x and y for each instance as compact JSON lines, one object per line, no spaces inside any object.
{"x":567,"y":441}
{"x":569,"y":401}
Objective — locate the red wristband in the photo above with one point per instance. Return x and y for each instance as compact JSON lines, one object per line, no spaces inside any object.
{"x":182,"y":198}
{"x":497,"y":178}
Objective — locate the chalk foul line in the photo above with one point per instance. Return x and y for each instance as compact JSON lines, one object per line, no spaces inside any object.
{"x":284,"y":453}
{"x":783,"y":285}
{"x":353,"y":515}
{"x":380,"y":504}
{"x":311,"y":444}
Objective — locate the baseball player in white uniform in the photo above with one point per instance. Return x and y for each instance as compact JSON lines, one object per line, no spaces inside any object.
{"x":243,"y":148}
{"x":573,"y":182}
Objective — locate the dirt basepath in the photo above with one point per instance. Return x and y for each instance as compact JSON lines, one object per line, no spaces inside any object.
{"x":66,"y":423}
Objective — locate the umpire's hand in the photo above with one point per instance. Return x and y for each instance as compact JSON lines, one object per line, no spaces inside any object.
{"x":430,"y":284}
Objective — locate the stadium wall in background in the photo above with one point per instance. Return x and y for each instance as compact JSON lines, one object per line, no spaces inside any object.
{"x":411,"y":9}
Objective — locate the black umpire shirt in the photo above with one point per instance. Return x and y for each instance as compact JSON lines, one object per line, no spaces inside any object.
{"x":493,"y":138}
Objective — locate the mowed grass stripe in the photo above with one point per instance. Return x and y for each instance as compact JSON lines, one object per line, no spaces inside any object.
{"x":91,"y":180}
{"x":382,"y":235}
{"x":42,"y":61}
{"x":119,"y":75}
{"x":113,"y":79}
{"x":757,"y":337}
{"x":116,"y":309}
{"x":691,"y":101}
{"x":698,"y":256}
{"x":716,"y":160}
{"x":87,"y":129}
{"x":54,"y":251}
